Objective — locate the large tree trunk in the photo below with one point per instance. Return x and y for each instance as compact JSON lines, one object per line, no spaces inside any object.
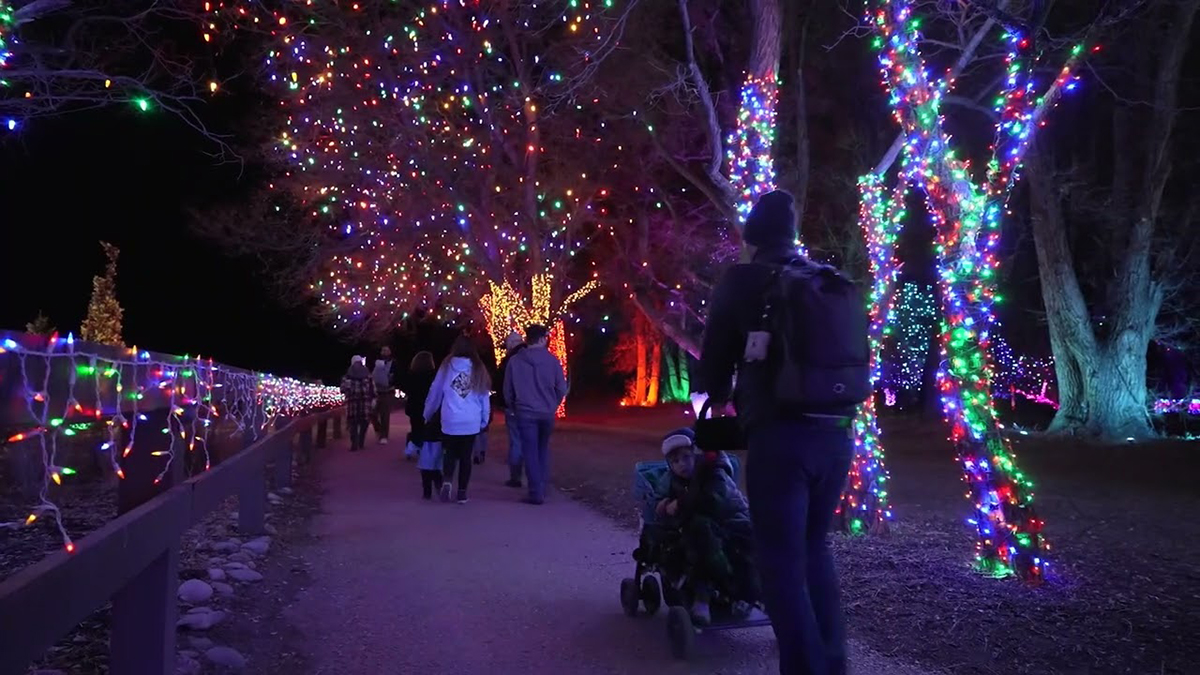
{"x":1102,"y":380}
{"x":767,"y":37}
{"x":655,"y":369}
{"x":639,"y":388}
{"x":1101,"y":384}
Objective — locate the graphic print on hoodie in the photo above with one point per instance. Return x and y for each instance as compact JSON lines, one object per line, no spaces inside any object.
{"x":461,"y":384}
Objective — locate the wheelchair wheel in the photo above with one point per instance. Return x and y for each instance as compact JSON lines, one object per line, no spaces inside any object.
{"x":629,"y":596}
{"x":680,"y":633}
{"x":651,"y":594}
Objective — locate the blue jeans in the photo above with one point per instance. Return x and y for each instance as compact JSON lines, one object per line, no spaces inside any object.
{"x":535,"y":446}
{"x":515,"y":460}
{"x":795,"y":474}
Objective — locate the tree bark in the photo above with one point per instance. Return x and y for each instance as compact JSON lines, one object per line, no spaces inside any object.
{"x":767,"y":37}
{"x":656,"y":357}
{"x":639,"y":388}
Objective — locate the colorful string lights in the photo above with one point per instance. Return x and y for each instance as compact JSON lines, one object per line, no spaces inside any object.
{"x":70,"y":388}
{"x":8,"y":40}
{"x":864,"y":504}
{"x":913,"y":319}
{"x":967,"y":220}
{"x":440,"y":152}
{"x":749,"y":149}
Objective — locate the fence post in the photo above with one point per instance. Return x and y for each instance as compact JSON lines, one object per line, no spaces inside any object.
{"x":283,"y":457}
{"x":144,"y":610}
{"x":337,"y":426}
{"x":144,"y":613}
{"x":252,"y":497}
{"x":322,"y":433}
{"x":305,"y":440}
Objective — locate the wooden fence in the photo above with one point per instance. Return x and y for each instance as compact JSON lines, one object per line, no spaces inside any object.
{"x":133,"y":560}
{"x":64,"y":401}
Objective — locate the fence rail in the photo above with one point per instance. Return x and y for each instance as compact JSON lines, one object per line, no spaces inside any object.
{"x":133,"y":560}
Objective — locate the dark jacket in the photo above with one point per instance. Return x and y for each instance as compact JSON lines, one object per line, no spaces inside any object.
{"x":534,"y":385}
{"x":711,"y":492}
{"x":502,"y":369}
{"x":359,"y":391}
{"x":416,"y":391}
{"x":735,"y":310}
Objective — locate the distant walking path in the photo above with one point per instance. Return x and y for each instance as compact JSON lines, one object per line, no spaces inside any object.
{"x":401,"y":585}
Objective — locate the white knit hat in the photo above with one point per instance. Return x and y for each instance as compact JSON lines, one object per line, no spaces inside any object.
{"x":358,"y":359}
{"x":680,"y":438}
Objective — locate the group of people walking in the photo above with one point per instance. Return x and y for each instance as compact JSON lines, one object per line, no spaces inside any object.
{"x":794,"y":333}
{"x":450,"y":410}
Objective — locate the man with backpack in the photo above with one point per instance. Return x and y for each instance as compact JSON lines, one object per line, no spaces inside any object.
{"x":795,"y":334}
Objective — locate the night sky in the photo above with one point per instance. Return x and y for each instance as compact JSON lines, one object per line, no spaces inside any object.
{"x":131,"y":178}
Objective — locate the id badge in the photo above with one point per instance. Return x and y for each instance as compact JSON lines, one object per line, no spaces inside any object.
{"x":756,"y":346}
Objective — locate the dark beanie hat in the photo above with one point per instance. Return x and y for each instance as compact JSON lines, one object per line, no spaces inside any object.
{"x":771,"y":223}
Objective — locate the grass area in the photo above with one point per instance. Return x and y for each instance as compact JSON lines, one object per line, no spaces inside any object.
{"x":1124,"y":596}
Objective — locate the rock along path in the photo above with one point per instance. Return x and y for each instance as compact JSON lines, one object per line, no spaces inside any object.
{"x":492,"y":587}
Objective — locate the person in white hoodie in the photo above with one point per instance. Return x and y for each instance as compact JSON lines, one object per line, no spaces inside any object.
{"x":461,"y":393}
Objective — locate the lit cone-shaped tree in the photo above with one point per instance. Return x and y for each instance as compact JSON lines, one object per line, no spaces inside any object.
{"x":103,"y":322}
{"x":40,"y":325}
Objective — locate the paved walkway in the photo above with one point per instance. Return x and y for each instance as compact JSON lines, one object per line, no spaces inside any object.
{"x":493,"y":587}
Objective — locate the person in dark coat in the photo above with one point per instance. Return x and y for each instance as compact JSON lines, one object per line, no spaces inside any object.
{"x":797,"y":461}
{"x":359,"y":390}
{"x":513,"y":344}
{"x":416,"y":389}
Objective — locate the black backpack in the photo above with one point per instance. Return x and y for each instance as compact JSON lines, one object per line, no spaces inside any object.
{"x":819,"y":351}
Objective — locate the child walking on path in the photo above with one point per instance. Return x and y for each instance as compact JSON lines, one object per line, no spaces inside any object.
{"x":460,"y":394}
{"x":416,"y":391}
{"x":424,"y":439}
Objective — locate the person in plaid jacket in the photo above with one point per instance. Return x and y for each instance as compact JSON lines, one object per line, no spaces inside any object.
{"x":359,"y":390}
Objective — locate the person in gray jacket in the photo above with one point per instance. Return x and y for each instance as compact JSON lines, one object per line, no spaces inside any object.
{"x":534,"y":387}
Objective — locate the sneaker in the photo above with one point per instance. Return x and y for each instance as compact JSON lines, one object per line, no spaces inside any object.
{"x":742,"y":609}
{"x":531,"y":500}
{"x":445,"y":492}
{"x":512,"y":482}
{"x":462,"y":496}
{"x":701,"y":616}
{"x":383,"y":441}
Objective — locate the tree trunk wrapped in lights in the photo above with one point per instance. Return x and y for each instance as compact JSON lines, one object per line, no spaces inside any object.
{"x":505,"y":311}
{"x":967,"y":221}
{"x":864,"y":504}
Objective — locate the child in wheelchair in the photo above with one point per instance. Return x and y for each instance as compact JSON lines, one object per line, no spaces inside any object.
{"x":700,"y":540}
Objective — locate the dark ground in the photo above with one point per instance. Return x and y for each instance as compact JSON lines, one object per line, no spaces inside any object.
{"x":253,"y":626}
{"x":1125,"y":592}
{"x":1124,"y":596}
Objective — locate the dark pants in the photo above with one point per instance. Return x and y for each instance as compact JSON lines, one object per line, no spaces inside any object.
{"x":795,"y":474}
{"x":515,"y":461}
{"x":382,"y":416}
{"x":457,"y":453}
{"x":535,"y":448}
{"x":417,"y":424}
{"x":358,"y":431}
{"x":430,"y":481}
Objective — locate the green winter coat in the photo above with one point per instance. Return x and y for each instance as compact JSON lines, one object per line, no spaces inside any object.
{"x":711,"y":492}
